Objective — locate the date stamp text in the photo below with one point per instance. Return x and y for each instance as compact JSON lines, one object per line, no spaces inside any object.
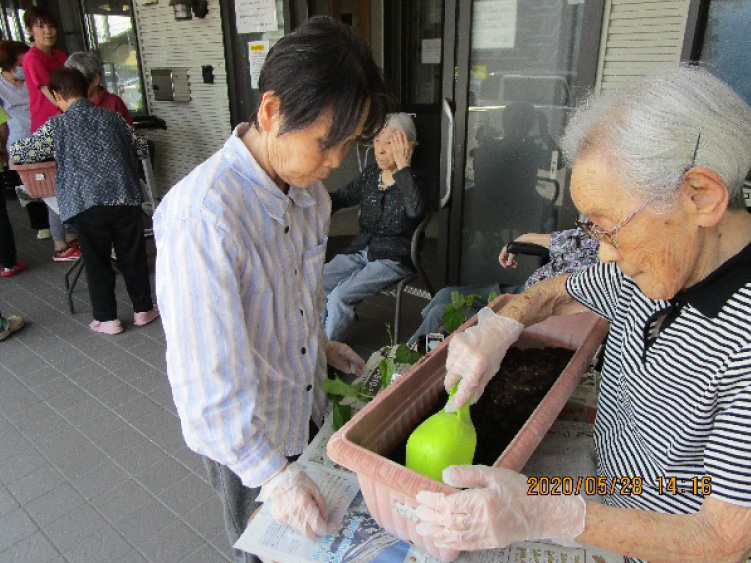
{"x":624,"y":486}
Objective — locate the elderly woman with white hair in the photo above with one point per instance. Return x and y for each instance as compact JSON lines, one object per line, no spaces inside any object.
{"x":658,"y":171}
{"x":92,"y":68}
{"x":392,"y":204}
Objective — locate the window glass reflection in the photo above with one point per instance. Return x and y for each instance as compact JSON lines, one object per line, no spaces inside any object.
{"x":727,"y":42}
{"x":110,"y":29}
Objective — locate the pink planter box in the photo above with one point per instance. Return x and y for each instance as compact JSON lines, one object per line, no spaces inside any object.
{"x":38,"y":178}
{"x":364,"y":443}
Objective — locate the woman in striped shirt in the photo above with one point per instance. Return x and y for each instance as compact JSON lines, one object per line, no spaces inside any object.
{"x":658,"y":170}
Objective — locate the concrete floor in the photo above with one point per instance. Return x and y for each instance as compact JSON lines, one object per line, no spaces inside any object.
{"x":93,"y":467}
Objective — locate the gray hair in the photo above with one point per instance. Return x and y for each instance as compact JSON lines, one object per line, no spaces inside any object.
{"x":655,"y":130}
{"x":402,"y":122}
{"x":89,"y":64}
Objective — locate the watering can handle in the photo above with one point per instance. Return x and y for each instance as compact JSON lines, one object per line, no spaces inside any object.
{"x":463,"y":412}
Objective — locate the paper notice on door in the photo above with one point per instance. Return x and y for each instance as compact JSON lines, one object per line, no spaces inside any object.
{"x":494,"y":24}
{"x":257,"y":51}
{"x":255,"y":15}
{"x":431,"y":51}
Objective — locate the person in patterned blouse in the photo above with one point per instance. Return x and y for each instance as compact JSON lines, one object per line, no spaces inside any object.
{"x":97,"y":187}
{"x":570,"y":250}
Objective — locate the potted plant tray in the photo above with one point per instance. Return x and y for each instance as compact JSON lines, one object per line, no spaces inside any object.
{"x":365,"y":442}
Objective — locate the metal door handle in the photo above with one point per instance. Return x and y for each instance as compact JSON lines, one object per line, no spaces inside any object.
{"x":449,"y":154}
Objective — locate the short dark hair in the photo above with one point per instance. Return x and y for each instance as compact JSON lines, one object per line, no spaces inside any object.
{"x":324,"y":65}
{"x":68,"y":82}
{"x":36,"y":14}
{"x":9,"y":51}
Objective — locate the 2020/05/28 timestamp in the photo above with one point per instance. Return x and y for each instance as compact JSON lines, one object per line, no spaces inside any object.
{"x":617,"y":485}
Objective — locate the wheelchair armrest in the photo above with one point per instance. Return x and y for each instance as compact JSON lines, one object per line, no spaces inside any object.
{"x":527,"y":248}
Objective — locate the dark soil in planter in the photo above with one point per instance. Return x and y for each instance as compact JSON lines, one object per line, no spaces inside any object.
{"x":508,"y":401}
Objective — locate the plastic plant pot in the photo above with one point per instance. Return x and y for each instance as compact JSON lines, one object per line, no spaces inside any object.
{"x":364,"y":443}
{"x":38,"y":178}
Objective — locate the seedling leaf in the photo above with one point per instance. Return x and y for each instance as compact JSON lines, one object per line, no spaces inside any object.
{"x":404,"y":355}
{"x":452,"y":319}
{"x":387,"y":369}
{"x":342,"y":413}
{"x":338,"y":388}
{"x":457,"y":299}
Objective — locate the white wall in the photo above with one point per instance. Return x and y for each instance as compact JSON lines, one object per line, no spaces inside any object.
{"x":198,"y":128}
{"x":637,"y":36}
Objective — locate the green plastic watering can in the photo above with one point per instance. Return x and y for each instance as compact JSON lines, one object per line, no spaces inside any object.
{"x":443,"y":439}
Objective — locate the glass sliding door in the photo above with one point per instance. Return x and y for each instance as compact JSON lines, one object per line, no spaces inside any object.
{"x":111,"y":34}
{"x":727,"y":42}
{"x":12,"y":21}
{"x":513,"y":95}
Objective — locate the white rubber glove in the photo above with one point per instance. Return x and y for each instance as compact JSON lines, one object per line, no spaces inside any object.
{"x":475,"y":355}
{"x":296,"y":500}
{"x":344,"y":358}
{"x":496,"y":511}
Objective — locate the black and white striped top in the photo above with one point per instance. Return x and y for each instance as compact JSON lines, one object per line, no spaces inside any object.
{"x":675,"y":399}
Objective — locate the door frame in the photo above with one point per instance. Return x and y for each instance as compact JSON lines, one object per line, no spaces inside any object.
{"x":696,"y":23}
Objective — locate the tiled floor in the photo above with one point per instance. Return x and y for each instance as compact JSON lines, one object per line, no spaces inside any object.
{"x":93,"y":467}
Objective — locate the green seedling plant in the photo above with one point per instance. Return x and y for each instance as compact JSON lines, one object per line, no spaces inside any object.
{"x":337,"y":389}
{"x":456,"y":313}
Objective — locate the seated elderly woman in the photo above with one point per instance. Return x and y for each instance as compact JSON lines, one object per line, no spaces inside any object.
{"x":658,"y":171}
{"x":392,"y":204}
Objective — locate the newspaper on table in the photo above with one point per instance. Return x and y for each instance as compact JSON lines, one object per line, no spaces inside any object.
{"x":355,"y":537}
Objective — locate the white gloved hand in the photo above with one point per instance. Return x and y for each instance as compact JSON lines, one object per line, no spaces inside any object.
{"x":344,"y":358}
{"x":495,"y":511}
{"x":296,"y":500}
{"x":475,"y":355}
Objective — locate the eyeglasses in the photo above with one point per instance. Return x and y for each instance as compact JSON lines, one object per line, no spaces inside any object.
{"x":608,"y":236}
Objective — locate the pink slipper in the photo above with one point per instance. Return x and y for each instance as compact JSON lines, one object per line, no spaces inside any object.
{"x":107,"y":327}
{"x":140,"y":319}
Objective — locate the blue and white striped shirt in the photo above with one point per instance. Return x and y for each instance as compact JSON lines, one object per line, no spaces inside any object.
{"x":238,"y":277}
